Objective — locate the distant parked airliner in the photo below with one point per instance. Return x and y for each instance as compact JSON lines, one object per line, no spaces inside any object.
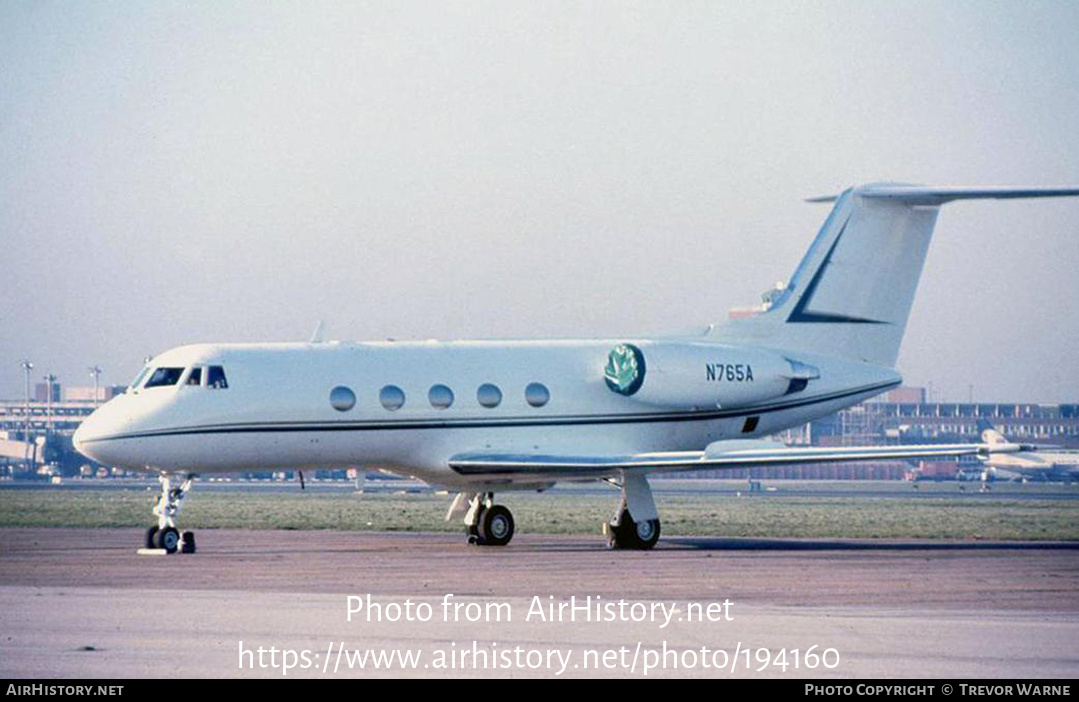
{"x":1034,"y":463}
{"x":481,"y":417}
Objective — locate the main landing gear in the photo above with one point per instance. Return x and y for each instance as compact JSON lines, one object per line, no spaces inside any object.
{"x":636,"y":522}
{"x":164,"y":535}
{"x":486,"y":523}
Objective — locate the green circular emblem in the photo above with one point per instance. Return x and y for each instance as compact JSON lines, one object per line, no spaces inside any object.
{"x":624,"y":371}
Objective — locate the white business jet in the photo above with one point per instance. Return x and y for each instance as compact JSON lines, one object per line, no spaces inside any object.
{"x":480,"y":417}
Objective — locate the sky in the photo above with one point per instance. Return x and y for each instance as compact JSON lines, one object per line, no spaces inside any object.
{"x":237,"y":171}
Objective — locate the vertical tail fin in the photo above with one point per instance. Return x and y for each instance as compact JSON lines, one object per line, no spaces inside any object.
{"x":852,"y":293}
{"x":989,"y":433}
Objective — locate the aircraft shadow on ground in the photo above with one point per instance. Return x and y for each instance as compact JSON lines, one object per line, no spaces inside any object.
{"x":747,"y":544}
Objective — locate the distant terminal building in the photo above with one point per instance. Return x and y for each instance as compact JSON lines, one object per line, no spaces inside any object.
{"x":38,"y":435}
{"x":42,"y":392}
{"x":62,"y":417}
{"x":904,"y":395}
{"x":86,"y":393}
{"x":904,"y":417}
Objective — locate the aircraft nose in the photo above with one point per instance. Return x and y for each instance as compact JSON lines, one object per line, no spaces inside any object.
{"x":90,"y":439}
{"x":76,"y":438}
{"x":100,"y":436}
{"x":84,"y":434}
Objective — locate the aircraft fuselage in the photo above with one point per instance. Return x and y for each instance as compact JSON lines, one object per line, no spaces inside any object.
{"x":409,"y":406}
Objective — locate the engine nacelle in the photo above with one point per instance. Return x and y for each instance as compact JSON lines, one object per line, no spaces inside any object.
{"x":688,"y":375}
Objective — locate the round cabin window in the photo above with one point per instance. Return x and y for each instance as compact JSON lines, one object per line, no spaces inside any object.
{"x":489,"y":395}
{"x":392,"y":397}
{"x":440,"y":396}
{"x":537,"y":394}
{"x":342,"y":399}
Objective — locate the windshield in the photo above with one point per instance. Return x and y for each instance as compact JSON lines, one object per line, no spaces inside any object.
{"x":164,"y":376}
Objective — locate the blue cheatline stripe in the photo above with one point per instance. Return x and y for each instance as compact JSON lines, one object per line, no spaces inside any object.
{"x":565,"y":420}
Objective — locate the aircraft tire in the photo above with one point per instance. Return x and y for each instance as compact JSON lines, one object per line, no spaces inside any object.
{"x":151,"y":537}
{"x":496,"y":526}
{"x":168,"y":539}
{"x":187,"y":542}
{"x":633,"y":535}
{"x":647,"y":534}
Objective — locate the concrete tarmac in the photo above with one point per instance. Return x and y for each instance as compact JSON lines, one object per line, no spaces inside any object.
{"x":76,"y":603}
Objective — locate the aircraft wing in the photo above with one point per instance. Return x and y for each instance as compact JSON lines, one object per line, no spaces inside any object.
{"x":736,"y":454}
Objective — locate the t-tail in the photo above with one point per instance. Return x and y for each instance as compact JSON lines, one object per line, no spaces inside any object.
{"x":851,"y":295}
{"x":990,"y":435}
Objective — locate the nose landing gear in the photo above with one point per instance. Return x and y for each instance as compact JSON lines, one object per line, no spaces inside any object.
{"x":164,"y":535}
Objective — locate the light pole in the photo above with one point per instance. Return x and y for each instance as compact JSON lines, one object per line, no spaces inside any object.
{"x":49,"y":380}
{"x":27,"y":367}
{"x":95,"y":373}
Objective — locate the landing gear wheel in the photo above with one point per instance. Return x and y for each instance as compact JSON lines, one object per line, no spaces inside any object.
{"x":169,"y":539}
{"x":187,"y":541}
{"x":496,"y":526}
{"x":151,"y":537}
{"x":635,"y":535}
{"x":647,"y":533}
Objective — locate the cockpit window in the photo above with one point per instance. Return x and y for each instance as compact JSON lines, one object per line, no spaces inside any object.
{"x":216,"y":378}
{"x":164,"y":376}
{"x":196,"y":376}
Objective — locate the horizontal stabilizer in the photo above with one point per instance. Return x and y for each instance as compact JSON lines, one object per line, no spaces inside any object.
{"x":927,"y":195}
